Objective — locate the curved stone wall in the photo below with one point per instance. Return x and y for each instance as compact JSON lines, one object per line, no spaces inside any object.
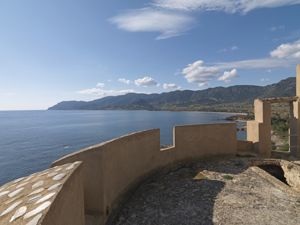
{"x":110,"y":168}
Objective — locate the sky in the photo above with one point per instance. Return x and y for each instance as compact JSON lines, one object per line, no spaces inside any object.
{"x":58,"y":50}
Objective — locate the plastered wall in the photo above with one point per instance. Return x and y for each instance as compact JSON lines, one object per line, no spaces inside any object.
{"x":110,"y":168}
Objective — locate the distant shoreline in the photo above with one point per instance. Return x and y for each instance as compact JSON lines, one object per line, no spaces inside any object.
{"x":87,"y":110}
{"x":240,"y":117}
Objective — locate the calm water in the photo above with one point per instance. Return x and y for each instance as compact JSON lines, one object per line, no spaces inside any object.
{"x":31,"y":140}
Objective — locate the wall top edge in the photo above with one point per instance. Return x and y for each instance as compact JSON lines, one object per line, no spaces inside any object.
{"x":206,"y":124}
{"x":94,"y":148}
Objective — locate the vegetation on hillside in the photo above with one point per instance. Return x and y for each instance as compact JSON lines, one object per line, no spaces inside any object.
{"x":237,"y":98}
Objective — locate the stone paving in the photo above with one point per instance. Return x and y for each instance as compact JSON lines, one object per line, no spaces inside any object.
{"x":25,"y":201}
{"x":209,"y":192}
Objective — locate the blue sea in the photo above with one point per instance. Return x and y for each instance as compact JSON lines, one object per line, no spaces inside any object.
{"x":31,"y":140}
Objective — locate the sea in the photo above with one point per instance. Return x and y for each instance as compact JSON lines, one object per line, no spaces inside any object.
{"x":31,"y":140}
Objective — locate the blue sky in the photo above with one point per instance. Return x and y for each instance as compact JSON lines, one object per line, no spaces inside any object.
{"x":58,"y":50}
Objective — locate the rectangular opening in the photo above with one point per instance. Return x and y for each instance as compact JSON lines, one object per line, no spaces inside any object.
{"x":241,"y":127}
{"x":280,"y":127}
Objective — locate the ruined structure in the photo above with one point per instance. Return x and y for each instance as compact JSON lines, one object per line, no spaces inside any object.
{"x":259,"y":130}
{"x":85,"y":187}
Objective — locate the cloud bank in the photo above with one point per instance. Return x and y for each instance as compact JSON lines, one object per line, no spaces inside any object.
{"x":288,"y":50}
{"x":229,"y":6}
{"x":100,"y":91}
{"x":172,"y":18}
{"x":200,"y":73}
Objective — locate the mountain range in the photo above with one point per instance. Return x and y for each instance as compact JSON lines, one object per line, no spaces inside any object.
{"x":231,"y":99}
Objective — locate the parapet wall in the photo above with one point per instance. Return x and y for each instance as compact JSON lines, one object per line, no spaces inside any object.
{"x":84,"y":187}
{"x":110,"y":168}
{"x":197,"y":141}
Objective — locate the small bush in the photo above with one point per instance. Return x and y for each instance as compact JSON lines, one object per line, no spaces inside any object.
{"x":228,"y":177}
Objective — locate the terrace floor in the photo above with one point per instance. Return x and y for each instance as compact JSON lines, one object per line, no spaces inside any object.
{"x":210,"y":192}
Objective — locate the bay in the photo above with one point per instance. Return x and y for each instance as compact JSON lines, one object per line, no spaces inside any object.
{"x":31,"y":140}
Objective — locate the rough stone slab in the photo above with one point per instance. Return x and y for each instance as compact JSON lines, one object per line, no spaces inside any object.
{"x":210,"y":192}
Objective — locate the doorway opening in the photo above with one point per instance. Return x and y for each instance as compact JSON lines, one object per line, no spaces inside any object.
{"x":280,"y":126}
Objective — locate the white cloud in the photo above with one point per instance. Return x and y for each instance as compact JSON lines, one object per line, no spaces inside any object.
{"x":230,"y":6}
{"x":100,"y":85}
{"x":168,"y":24}
{"x":262,"y":63}
{"x":145,"y":82}
{"x":288,"y":50}
{"x":102,"y":93}
{"x":200,"y":74}
{"x":283,"y":56}
{"x":99,"y":91}
{"x":170,"y":86}
{"x":172,"y":18}
{"x":228,"y":75}
{"x":248,"y":5}
{"x":187,"y":5}
{"x":124,"y":81}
